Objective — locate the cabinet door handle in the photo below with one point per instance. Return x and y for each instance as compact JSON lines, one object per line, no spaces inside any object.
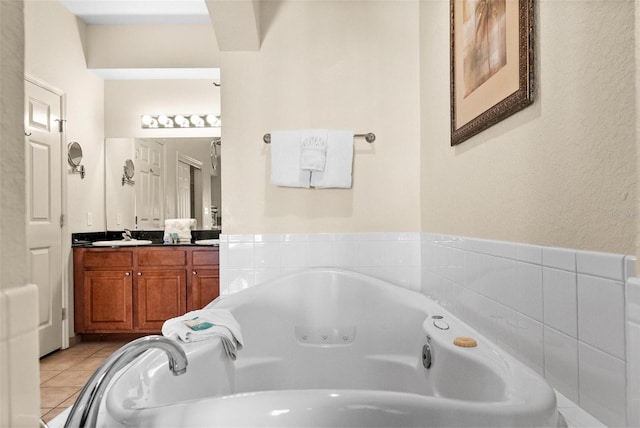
{"x":139,"y":273}
{"x":127,"y":273}
{"x":194,"y":272}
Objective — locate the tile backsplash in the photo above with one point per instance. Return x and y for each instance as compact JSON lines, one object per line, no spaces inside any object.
{"x":560,"y":311}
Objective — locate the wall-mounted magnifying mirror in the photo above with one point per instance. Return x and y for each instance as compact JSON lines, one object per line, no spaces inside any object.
{"x":74,"y":153}
{"x":213,"y":153}
{"x":129,"y":171}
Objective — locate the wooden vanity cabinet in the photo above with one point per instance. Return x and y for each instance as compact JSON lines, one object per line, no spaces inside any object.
{"x":205,"y":278}
{"x":103,"y":290}
{"x":134,"y":290}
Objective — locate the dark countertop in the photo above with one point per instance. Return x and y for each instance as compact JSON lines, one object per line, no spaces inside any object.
{"x":85,"y":240}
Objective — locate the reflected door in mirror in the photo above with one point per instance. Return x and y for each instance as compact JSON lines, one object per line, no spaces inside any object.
{"x":149,"y":191}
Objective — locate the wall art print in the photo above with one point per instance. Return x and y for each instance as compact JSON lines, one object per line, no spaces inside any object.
{"x":491,"y":63}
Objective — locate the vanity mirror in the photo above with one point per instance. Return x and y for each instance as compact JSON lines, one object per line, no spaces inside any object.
{"x":74,"y":157}
{"x":174,"y":178}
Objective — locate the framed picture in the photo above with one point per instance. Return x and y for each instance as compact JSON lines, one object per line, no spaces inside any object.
{"x":491,"y":63}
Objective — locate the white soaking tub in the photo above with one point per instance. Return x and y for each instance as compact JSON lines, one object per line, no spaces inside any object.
{"x":328,"y":347}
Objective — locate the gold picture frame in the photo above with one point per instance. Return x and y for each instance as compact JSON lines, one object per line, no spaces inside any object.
{"x":492,"y":63}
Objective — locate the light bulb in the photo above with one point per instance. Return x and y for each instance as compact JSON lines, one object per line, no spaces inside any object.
{"x":146,"y":120}
{"x":212,"y":120}
{"x":181,"y":120}
{"x":163,"y":120}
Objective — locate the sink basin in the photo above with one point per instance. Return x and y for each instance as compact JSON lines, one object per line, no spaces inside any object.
{"x":208,"y":242}
{"x":122,"y":243}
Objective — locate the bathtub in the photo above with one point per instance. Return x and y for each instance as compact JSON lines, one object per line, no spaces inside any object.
{"x":329,"y":347}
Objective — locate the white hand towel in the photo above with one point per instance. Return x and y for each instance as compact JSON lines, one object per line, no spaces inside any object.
{"x":313,"y":149}
{"x":205,"y":324}
{"x":337,"y":169}
{"x":285,"y":160}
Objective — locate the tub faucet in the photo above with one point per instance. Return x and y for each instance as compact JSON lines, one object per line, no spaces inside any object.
{"x":127,"y":235}
{"x":84,"y":412}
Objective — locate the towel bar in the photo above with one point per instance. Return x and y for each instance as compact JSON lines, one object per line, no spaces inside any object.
{"x":370,"y":137}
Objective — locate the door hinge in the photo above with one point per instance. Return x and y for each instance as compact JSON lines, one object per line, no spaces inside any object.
{"x":61,"y":124}
{"x":61,"y":220}
{"x":64,"y":314}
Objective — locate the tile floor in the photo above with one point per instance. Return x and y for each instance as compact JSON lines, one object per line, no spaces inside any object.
{"x":64,"y":373}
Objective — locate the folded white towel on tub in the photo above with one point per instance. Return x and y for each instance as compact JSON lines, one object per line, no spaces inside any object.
{"x":338,"y":166}
{"x":206,"y":324}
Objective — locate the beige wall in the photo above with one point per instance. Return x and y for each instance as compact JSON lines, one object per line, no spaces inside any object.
{"x":55,"y":56}
{"x":561,"y":172}
{"x":337,"y":65}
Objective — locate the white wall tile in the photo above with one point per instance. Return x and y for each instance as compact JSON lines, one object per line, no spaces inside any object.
{"x":372,"y":253}
{"x":240,"y":255}
{"x":602,"y":386}
{"x":530,"y":343}
{"x":345,"y":253}
{"x":561,"y":362}
{"x":529,"y":253}
{"x":267,"y":254}
{"x":320,"y":253}
{"x":605,"y":265}
{"x":632,"y":292}
{"x":633,"y":373}
{"x":629,"y":267}
{"x":529,"y":293}
{"x":560,"y":307}
{"x":506,"y":282}
{"x":601,"y":322}
{"x":5,"y":372}
{"x":294,"y":254}
{"x":506,"y":323}
{"x":471,"y":268}
{"x":559,"y":258}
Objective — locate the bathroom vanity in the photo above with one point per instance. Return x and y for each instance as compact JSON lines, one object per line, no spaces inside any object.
{"x":135,"y":289}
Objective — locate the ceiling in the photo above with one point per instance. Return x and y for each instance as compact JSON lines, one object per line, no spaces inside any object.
{"x":139,"y":12}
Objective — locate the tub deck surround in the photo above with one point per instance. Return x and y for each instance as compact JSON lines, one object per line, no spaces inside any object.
{"x":329,"y":347}
{"x":560,"y":311}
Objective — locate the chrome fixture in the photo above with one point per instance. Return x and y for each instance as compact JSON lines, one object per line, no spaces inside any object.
{"x":127,"y":235}
{"x":180,"y":121}
{"x":129,"y":171}
{"x":84,"y":412}
{"x":427,"y":357}
{"x":369,"y":137}
{"x":74,"y":157}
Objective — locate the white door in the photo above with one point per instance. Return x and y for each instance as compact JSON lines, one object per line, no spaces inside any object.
{"x":43,"y":139}
{"x":149,"y":184}
{"x":184,"y":190}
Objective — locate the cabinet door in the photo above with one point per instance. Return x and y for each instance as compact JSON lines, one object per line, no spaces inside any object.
{"x":107,"y":301}
{"x":205,"y":286}
{"x":159,"y":295}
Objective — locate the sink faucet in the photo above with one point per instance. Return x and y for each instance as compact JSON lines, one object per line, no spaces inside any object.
{"x":127,"y":235}
{"x":84,"y":412}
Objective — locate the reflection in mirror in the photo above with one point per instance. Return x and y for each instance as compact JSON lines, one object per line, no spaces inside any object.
{"x":74,"y":157}
{"x":213,"y":153}
{"x":127,"y":175}
{"x":174,"y":177}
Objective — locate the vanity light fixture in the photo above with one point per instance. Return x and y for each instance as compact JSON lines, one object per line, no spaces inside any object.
{"x":160,"y":121}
